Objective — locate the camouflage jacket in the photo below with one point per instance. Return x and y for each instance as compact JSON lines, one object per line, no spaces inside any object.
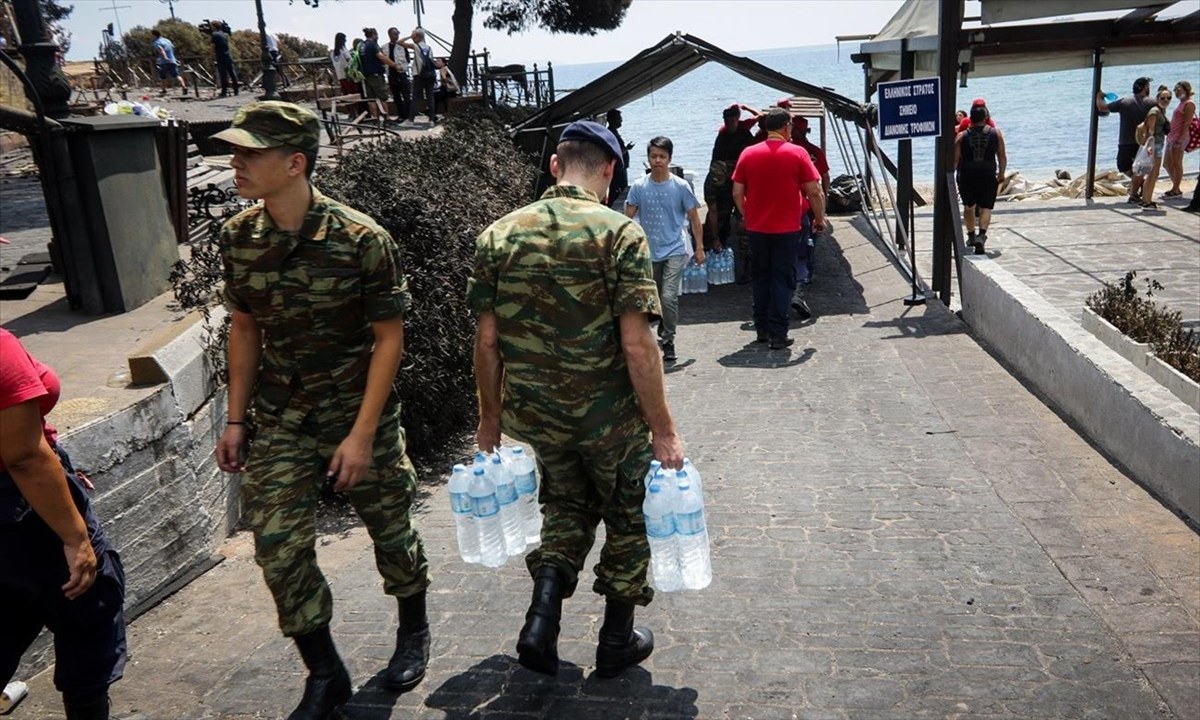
{"x":558,"y":273}
{"x":314,"y":294}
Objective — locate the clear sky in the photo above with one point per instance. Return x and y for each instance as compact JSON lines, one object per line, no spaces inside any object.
{"x":734,"y":25}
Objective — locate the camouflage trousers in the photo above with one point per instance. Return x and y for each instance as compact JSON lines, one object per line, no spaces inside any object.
{"x":581,"y":487}
{"x":286,"y":470}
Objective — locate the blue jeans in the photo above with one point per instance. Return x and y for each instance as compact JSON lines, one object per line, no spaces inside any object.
{"x":667,"y":274}
{"x":773,"y":272}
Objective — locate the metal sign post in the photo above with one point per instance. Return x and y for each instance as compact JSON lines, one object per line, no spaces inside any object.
{"x":909,"y":109}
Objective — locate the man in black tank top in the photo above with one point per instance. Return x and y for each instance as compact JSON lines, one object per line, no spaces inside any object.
{"x":980,"y":159}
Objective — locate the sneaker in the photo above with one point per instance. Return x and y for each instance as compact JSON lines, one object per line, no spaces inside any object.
{"x":780,"y":343}
{"x":761,"y":338}
{"x":802,"y":310}
{"x":1191,"y":208}
{"x":668,"y":352}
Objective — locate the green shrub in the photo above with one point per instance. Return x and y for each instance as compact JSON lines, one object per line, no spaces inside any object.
{"x":435,"y":195}
{"x":1142,"y":320}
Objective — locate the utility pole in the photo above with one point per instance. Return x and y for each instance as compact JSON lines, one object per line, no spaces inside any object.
{"x":116,"y":15}
{"x":268,"y":74}
{"x":170,"y":6}
{"x":418,"y":8}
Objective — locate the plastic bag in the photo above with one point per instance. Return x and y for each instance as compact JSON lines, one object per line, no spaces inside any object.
{"x":1143,"y":162}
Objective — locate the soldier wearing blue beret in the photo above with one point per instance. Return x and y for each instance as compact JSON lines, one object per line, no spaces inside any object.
{"x":565,"y":361}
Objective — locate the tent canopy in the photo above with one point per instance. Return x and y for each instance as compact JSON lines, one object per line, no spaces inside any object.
{"x":994,"y":49}
{"x":657,"y":66}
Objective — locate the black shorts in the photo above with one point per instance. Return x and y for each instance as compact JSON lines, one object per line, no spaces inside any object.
{"x":977,"y":189}
{"x":168,"y":71}
{"x":1125,"y":154}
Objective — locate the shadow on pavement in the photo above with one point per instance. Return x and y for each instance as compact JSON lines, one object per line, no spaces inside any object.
{"x":758,"y":355}
{"x":498,"y":685}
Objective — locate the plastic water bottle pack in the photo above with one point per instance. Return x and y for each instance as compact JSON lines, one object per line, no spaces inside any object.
{"x":720,"y":267}
{"x":676,"y":529}
{"x":494,"y":504}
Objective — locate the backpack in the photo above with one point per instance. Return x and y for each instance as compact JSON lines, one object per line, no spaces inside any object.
{"x":1193,"y":135}
{"x":427,"y":69}
{"x":354,"y":70}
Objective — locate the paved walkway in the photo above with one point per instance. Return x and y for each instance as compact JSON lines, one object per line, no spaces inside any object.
{"x":1067,"y":249}
{"x":900,"y":530}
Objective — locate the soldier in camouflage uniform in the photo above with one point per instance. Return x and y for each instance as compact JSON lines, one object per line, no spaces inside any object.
{"x":565,"y":361}
{"x":318,"y":300}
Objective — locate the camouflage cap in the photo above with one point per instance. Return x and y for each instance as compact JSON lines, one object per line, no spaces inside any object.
{"x":271,"y":124}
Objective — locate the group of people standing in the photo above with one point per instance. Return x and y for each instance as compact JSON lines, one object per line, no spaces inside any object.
{"x":404,"y":67}
{"x":765,"y":194}
{"x":1144,"y":124}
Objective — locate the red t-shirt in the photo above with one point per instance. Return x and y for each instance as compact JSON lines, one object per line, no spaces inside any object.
{"x":965,"y":124}
{"x":23,"y":378}
{"x":773,"y":172}
{"x":816,"y":153}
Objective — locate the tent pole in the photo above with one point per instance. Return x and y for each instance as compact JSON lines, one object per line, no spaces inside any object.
{"x":1094,"y":126}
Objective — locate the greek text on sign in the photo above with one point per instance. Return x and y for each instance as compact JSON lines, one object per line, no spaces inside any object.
{"x":909,"y":108}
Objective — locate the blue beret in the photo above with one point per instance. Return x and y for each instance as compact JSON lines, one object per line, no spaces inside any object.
{"x":592,"y":132}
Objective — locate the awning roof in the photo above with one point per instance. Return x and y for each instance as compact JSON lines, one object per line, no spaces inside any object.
{"x":994,"y":49}
{"x":657,"y":66}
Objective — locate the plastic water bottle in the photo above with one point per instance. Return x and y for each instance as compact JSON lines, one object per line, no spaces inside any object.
{"x":481,"y":460}
{"x":693,"y":475}
{"x":692,"y":533}
{"x":655,"y":466}
{"x":732,"y":264}
{"x":660,"y":533}
{"x":727,"y":275}
{"x":487,"y":517}
{"x":464,"y":516}
{"x":510,"y":513}
{"x":701,"y":279}
{"x":525,"y":478}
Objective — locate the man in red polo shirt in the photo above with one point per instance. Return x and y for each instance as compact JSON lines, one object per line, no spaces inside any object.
{"x":774,"y":184}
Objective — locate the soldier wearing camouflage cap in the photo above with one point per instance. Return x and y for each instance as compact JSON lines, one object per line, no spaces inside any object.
{"x":565,"y":361}
{"x":317,"y":298}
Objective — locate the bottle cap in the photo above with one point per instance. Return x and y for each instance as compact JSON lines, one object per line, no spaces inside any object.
{"x":518,"y":451}
{"x":479,"y":471}
{"x":458,"y":467}
{"x":654,"y":487}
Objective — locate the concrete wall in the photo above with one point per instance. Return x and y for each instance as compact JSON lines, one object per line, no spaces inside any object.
{"x":1141,"y":425}
{"x":159,"y":494}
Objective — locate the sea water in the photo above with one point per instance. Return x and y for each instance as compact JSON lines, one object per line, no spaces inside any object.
{"x":1044,"y":116}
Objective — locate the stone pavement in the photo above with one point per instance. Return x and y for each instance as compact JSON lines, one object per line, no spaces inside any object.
{"x":1066,"y":249}
{"x":899,"y":529}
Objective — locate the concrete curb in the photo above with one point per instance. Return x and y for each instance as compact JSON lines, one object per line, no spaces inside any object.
{"x":1152,"y":433}
{"x":1143,"y":357}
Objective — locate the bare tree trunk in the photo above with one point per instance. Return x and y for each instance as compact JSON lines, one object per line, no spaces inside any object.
{"x":464,"y":14}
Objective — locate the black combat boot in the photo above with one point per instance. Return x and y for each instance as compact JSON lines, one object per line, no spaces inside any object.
{"x":621,"y":644}
{"x":537,"y":646}
{"x":86,"y":707}
{"x":328,"y":685}
{"x":406,"y":669}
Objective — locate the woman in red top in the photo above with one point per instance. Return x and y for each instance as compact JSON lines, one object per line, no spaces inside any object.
{"x":59,"y":571}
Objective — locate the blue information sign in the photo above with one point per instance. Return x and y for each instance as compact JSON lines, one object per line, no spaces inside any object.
{"x":910,"y":108}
